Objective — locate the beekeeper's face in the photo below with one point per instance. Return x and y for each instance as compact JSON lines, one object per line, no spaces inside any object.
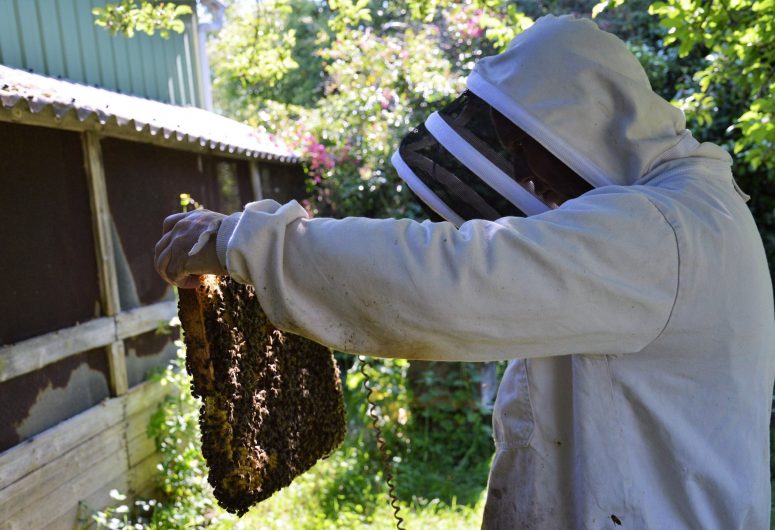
{"x":468,"y":161}
{"x":535,"y":167}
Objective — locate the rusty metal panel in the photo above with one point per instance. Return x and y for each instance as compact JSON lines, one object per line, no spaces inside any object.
{"x":34,"y":402}
{"x":144,"y":186}
{"x":282,"y":182}
{"x":48,"y":250}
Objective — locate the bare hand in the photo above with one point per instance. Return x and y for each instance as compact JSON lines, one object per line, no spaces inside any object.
{"x":179,"y":235}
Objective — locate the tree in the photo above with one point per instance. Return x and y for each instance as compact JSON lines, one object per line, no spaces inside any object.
{"x":149,"y":16}
{"x":726,"y":50}
{"x":369,"y":72}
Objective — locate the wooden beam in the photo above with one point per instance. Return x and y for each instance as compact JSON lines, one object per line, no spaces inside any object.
{"x":111,"y":129}
{"x":255,"y":180}
{"x":37,"y":452}
{"x":44,"y":478}
{"x":137,"y":321}
{"x":143,"y":396}
{"x":142,"y":474}
{"x":119,"y":381}
{"x":33,"y":354}
{"x":103,"y":244}
{"x":34,"y":453}
{"x":38,"y":498}
{"x":101,"y":223}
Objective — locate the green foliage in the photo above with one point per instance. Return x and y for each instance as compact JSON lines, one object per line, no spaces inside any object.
{"x":376,"y":67}
{"x":186,"y":499}
{"x":267,"y":51}
{"x":716,"y":61}
{"x":346,"y":490}
{"x":448,"y":437}
{"x":738,"y":38}
{"x":371,"y":70}
{"x":186,"y":202}
{"x":148,"y":16}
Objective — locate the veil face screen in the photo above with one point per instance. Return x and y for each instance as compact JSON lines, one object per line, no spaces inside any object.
{"x":457,"y":186}
{"x":501,"y":182}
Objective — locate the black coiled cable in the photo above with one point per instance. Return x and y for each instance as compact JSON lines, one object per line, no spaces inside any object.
{"x":386,"y":467}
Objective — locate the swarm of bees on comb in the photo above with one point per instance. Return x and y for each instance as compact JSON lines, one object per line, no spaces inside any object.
{"x":272,"y":402}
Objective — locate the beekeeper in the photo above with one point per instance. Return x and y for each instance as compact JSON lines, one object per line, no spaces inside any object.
{"x":633,"y":299}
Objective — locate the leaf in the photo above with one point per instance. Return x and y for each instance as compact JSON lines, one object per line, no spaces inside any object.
{"x":763,"y":5}
{"x":599,"y":8}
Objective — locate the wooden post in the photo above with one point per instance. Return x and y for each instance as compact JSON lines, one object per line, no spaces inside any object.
{"x":103,"y":244}
{"x":255,"y":180}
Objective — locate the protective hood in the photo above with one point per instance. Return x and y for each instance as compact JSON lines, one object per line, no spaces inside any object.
{"x":580,"y":93}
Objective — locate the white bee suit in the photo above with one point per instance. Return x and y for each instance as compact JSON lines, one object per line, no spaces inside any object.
{"x":637,"y":318}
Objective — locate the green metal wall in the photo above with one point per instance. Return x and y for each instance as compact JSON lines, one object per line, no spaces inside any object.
{"x":58,"y":38}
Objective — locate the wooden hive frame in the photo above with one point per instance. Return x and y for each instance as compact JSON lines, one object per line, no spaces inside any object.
{"x":272,"y":402}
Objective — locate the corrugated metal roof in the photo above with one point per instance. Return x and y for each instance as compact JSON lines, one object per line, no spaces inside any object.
{"x":36,"y":93}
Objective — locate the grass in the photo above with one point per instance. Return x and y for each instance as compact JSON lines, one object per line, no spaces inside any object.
{"x":440,"y":462}
{"x":440,"y":456}
{"x":314,"y":502}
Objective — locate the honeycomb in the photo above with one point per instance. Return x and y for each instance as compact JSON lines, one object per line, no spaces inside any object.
{"x":272,"y":402}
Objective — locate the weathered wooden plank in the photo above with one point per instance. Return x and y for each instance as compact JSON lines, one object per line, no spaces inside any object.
{"x":46,"y":447}
{"x":131,"y":410}
{"x":142,"y":482}
{"x":144,"y":396}
{"x":81,"y":459}
{"x":140,"y":448}
{"x":137,"y":321}
{"x":137,"y":424}
{"x":32,"y":354}
{"x":80,"y":515}
{"x":101,"y":222}
{"x":84,"y":477}
{"x":139,"y":445}
{"x":63,"y":471}
{"x":103,"y":242}
{"x":119,"y":382}
{"x":255,"y":180}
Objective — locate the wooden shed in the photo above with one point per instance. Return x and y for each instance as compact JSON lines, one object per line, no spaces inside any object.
{"x":86,"y":177}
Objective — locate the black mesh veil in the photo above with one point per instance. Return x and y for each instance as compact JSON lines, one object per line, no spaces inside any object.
{"x":456,"y":164}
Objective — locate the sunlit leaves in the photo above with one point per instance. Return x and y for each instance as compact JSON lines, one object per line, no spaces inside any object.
{"x":348,"y":13}
{"x":739,"y":38}
{"x":147,"y":16}
{"x":379,"y":68}
{"x":257,"y":49}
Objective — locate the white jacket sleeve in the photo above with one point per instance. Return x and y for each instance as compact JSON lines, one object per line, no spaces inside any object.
{"x":598,"y":275}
